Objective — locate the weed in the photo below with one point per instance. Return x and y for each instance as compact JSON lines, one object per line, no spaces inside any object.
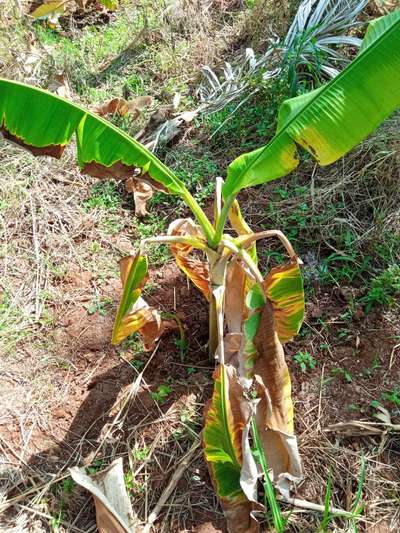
{"x":56,"y":521}
{"x":140,"y":454}
{"x":95,"y":247}
{"x":270,"y":500}
{"x":132,"y":485}
{"x":152,"y":225}
{"x":189,"y":426}
{"x":341,"y":372}
{"x":104,"y":195}
{"x":392,"y":396}
{"x":357,"y":508}
{"x":327,"y":512}
{"x":233,"y":132}
{"x":68,"y":485}
{"x":196,"y":167}
{"x":183,"y":346}
{"x":112,"y":224}
{"x":12,"y":320}
{"x":305,"y":361}
{"x":137,"y":364}
{"x":161,"y":395}
{"x":190,"y":370}
{"x":95,"y":467}
{"x":353,"y":408}
{"x":133,"y":343}
{"x":99,"y":306}
{"x":368,"y":372}
{"x":383,"y":289}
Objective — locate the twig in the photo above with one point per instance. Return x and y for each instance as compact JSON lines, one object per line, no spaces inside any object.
{"x":310,"y":506}
{"x":37,"y":257}
{"x":171,"y":486}
{"x":320,"y":398}
{"x":124,"y":402}
{"x":392,"y":356}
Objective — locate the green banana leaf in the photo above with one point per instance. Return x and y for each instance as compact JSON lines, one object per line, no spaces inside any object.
{"x":45,"y":124}
{"x":222,"y":443}
{"x":133,"y":277}
{"x":331,"y":120}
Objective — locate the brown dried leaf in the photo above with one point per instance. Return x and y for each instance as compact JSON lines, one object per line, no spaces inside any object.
{"x":60,"y":86}
{"x":271,"y":366}
{"x":274,"y":414}
{"x":140,"y":103}
{"x":53,"y":150}
{"x":234,"y":296}
{"x":195,"y":269}
{"x":114,"y":512}
{"x":142,"y":192}
{"x":113,"y":106}
{"x":122,"y":107}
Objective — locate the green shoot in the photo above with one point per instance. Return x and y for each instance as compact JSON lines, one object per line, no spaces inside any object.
{"x":270,"y":500}
{"x":327,"y":504}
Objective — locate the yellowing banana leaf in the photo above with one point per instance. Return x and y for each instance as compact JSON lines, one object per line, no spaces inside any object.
{"x":134,"y":314}
{"x":222,"y":443}
{"x":284,"y":288}
{"x":50,"y":9}
{"x":45,"y":123}
{"x":195,"y":269}
{"x":331,"y":120}
{"x":241,"y":227}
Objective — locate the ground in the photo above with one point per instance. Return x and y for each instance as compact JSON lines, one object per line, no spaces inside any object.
{"x":66,"y":395}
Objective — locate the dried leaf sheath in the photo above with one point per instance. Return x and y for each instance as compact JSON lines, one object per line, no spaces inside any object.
{"x":274,"y":414}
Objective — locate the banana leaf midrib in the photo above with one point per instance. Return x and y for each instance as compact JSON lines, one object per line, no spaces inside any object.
{"x":284,"y":131}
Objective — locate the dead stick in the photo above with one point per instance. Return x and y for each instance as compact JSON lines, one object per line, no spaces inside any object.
{"x":310,"y":506}
{"x":171,"y":486}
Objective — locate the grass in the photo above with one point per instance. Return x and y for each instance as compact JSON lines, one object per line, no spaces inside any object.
{"x":104,"y":195}
{"x":383,"y":289}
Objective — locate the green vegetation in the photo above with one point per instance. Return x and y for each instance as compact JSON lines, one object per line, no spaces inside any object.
{"x":264,"y":309}
{"x":305,"y":361}
{"x":392,"y":396}
{"x":161,"y":394}
{"x":383,"y":289}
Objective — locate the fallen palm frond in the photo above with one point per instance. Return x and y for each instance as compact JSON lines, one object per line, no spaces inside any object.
{"x":316,"y":47}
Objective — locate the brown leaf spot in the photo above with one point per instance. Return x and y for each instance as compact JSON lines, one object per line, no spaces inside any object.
{"x":116,"y":171}
{"x":53,"y":150}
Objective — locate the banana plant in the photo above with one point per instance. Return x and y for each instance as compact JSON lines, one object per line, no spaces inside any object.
{"x":248,"y":432}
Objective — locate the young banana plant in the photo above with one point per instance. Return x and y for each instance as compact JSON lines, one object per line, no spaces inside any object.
{"x":251,"y":316}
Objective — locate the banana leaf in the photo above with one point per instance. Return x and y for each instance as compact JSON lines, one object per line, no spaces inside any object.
{"x":332,"y":119}
{"x":44,"y":124}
